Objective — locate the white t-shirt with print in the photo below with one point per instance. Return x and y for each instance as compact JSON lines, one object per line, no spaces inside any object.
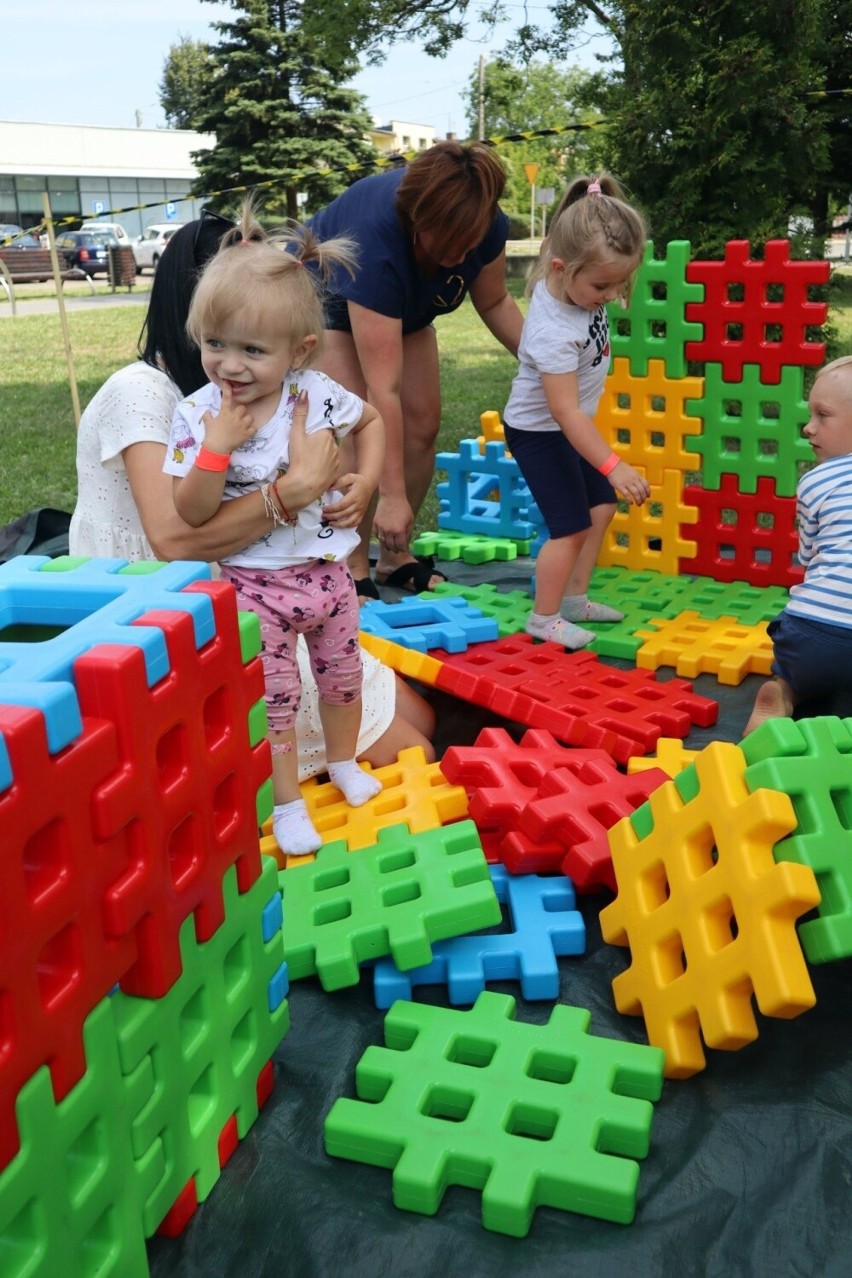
{"x":557,"y":337}
{"x":265,"y":456}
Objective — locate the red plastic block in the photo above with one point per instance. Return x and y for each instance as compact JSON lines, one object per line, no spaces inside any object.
{"x":756,"y":330}
{"x":187,"y":741}
{"x":748,"y":537}
{"x":573,"y":695}
{"x":575,"y":807}
{"x":502,"y":776}
{"x":56,"y":964}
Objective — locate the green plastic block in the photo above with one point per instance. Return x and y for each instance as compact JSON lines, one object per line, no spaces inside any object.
{"x":395,"y":898}
{"x":655,"y":324}
{"x":71,"y":1200}
{"x":206,"y":1042}
{"x":531,"y":1115}
{"x":811,"y":761}
{"x":509,"y":608}
{"x":471,"y":548}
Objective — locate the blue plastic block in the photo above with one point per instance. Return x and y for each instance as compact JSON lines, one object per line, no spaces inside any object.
{"x":466,"y":495}
{"x":544,"y":924}
{"x":448,"y":622}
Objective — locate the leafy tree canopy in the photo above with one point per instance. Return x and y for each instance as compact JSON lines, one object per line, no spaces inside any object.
{"x":186,"y":70}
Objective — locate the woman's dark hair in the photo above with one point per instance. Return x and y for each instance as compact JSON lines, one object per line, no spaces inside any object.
{"x":452,"y":191}
{"x":163,"y":340}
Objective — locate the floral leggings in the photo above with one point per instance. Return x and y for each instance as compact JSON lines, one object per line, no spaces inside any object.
{"x":318,"y":600}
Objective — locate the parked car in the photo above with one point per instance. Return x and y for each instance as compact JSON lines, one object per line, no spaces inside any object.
{"x":149,"y":247}
{"x":108,"y":228}
{"x":18,"y":238}
{"x":87,"y":249}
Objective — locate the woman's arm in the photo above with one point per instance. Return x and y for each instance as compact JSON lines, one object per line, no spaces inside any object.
{"x":497,"y":309}
{"x":314,"y":465}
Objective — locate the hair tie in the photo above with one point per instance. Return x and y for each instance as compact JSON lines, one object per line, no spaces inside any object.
{"x":594,"y":188}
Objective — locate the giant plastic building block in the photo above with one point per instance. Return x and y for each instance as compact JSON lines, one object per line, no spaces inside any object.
{"x":809,"y":760}
{"x":707,"y":913}
{"x":671,"y":756}
{"x":92,"y":602}
{"x":752,"y":430}
{"x":748,"y":605}
{"x":542,"y":924}
{"x":56,"y":960}
{"x":646,"y":421}
{"x":658,"y":535}
{"x":694,"y":646}
{"x":492,"y":429}
{"x":573,"y":809}
{"x":655,"y":326}
{"x":405,"y":661}
{"x":744,"y":323}
{"x":574,"y":696}
{"x":414,"y":793}
{"x":207,"y":1041}
{"x":531,"y":1115}
{"x":448,"y":622}
{"x":470,"y":548}
{"x":742,"y":536}
{"x":190,"y":741}
{"x":501,"y":776}
{"x":394,"y":898}
{"x":509,"y":608}
{"x":71,"y":1201}
{"x":483,"y":494}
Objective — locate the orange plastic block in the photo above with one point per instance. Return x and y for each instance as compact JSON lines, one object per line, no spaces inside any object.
{"x":645,"y":420}
{"x":492,"y":429}
{"x":707,"y":913}
{"x":671,"y":757}
{"x":695,"y":646}
{"x":651,"y":536}
{"x":414,"y":793}
{"x":413,"y":665}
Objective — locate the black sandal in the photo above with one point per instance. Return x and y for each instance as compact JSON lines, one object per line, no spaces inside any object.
{"x":413,"y":577}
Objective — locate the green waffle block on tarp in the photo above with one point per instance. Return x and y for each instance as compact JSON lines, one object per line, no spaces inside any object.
{"x":72,"y":1199}
{"x":208,"y":1039}
{"x":471,"y":548}
{"x":509,"y":608}
{"x":394,"y":898}
{"x":811,"y":761}
{"x":531,"y":1115}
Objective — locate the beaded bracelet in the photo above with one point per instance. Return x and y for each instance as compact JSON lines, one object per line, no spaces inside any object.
{"x":208,"y":460}
{"x":270,"y":507}
{"x":288,"y":518}
{"x":608,"y":466}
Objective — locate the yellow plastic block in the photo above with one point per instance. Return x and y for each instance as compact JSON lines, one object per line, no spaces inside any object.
{"x":413,"y":665}
{"x":671,"y":757}
{"x":492,"y":429}
{"x":414,"y":793}
{"x":695,"y":646}
{"x":645,"y":420}
{"x":707,"y":913}
{"x":649,"y":536}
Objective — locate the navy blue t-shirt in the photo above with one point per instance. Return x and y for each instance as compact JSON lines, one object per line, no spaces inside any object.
{"x":388,"y":278}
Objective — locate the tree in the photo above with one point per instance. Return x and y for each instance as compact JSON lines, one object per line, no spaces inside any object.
{"x":283,"y":118}
{"x":187,"y":68}
{"x":518,"y":99}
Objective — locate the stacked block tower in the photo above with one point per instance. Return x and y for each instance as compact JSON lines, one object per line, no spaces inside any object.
{"x":142,"y":975}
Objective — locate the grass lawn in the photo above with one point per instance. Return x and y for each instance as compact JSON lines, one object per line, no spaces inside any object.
{"x":37,"y":434}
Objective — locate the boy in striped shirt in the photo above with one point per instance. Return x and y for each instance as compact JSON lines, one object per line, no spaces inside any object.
{"x":812,"y":637}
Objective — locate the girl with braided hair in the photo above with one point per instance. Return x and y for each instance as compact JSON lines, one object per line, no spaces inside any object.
{"x":256,"y":316}
{"x":594,"y":247}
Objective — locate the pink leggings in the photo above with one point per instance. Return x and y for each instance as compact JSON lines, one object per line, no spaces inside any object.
{"x":317,"y":600}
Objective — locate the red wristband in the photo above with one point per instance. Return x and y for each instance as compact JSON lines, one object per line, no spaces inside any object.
{"x":208,"y":460}
{"x":608,"y":466}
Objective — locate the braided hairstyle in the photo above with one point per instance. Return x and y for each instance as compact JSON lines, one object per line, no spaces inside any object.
{"x":593,"y":224}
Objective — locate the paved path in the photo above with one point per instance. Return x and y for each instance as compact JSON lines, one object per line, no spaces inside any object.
{"x":139,"y":296}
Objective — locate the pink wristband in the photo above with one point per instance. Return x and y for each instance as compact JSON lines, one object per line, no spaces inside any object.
{"x":608,"y":466}
{"x":208,"y":460}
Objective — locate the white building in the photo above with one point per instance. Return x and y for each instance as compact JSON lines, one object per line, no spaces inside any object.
{"x":401,"y":135}
{"x":136,"y":175}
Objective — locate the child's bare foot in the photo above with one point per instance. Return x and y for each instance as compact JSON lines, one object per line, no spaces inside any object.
{"x":773,"y":701}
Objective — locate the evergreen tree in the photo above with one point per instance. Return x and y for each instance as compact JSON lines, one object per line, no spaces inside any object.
{"x":281,"y":114}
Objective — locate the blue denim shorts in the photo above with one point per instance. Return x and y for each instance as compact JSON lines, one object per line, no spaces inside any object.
{"x":812,"y":656}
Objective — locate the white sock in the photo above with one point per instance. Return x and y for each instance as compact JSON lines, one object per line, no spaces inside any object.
{"x":293,"y":828}
{"x":582,"y":608}
{"x":356,"y":785}
{"x":558,"y":631}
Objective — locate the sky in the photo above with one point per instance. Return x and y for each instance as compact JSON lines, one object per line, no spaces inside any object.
{"x":101,"y":61}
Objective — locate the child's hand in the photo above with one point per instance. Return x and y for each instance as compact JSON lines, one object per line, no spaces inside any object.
{"x":232,"y":426}
{"x":627,"y":481}
{"x":350,"y":510}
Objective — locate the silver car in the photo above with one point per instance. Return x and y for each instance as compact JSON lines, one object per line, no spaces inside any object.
{"x":149,"y":247}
